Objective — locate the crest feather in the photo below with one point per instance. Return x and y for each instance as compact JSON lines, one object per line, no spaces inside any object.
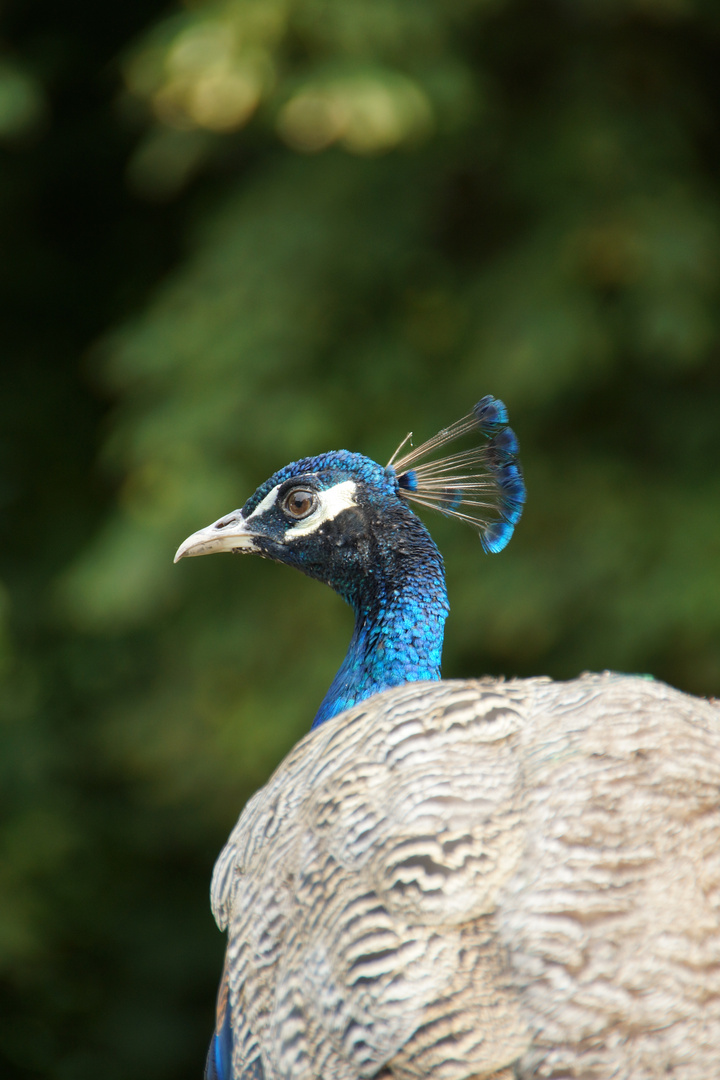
{"x":482,"y":485}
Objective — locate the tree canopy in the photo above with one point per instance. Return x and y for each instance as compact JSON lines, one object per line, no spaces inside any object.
{"x":244,"y":231}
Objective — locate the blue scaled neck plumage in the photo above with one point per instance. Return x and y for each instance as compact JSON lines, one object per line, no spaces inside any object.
{"x":397,"y":592}
{"x":345,"y":520}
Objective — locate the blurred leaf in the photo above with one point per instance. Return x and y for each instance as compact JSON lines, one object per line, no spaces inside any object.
{"x":22,"y":102}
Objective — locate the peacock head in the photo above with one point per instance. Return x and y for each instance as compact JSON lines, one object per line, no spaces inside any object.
{"x":325,"y":515}
{"x":340,"y":516}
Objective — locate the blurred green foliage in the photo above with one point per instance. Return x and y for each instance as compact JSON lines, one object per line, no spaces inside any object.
{"x":242,"y":231}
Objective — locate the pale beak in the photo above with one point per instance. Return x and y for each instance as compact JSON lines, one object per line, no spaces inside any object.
{"x":229,"y":533}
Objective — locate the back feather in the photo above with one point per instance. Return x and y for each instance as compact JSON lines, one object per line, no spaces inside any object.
{"x":458,"y":878}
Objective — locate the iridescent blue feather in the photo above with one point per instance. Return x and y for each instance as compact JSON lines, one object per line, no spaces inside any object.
{"x":219,"y":1059}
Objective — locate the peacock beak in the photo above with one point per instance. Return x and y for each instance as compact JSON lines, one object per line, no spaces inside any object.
{"x":229,"y":533}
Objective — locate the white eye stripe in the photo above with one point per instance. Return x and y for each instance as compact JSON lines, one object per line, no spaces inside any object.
{"x":330,"y":503}
{"x":265,"y":504}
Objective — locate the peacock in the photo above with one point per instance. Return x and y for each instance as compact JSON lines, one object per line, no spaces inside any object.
{"x":451,"y":880}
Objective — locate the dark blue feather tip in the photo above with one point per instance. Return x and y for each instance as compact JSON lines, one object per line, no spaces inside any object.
{"x":496,"y":536}
{"x":218,"y":1065}
{"x":504,"y":444}
{"x":219,"y":1059}
{"x":482,"y":486}
{"x":512,"y":492}
{"x":408,"y":480}
{"x":489,"y":413}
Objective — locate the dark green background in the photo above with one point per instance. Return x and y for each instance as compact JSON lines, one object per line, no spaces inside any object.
{"x":186,"y":307}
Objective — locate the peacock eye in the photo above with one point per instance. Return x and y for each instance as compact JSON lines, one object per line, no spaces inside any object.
{"x":300,"y":502}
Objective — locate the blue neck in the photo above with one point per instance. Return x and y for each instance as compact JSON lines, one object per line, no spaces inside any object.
{"x":400,"y":610}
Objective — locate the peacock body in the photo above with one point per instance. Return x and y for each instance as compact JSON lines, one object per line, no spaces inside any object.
{"x":456,"y":880}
